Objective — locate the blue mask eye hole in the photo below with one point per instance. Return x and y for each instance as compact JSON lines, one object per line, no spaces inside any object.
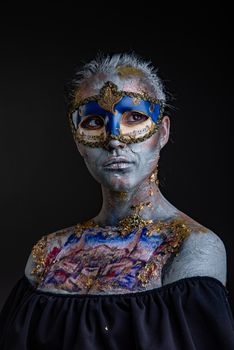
{"x":132,"y":118}
{"x":93,"y":122}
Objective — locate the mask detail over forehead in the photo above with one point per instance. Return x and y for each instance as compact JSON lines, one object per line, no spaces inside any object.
{"x":123,"y":115}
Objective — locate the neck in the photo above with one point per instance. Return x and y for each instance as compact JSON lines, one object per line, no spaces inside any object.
{"x":145,"y":200}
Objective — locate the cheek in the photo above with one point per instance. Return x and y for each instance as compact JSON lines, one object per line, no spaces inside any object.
{"x":147,"y":153}
{"x":81,"y":149}
{"x":148,"y":148}
{"x":89,"y":154}
{"x":152,"y":143}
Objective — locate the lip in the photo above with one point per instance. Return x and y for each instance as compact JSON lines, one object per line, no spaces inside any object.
{"x":118,"y":166}
{"x":116,"y":160}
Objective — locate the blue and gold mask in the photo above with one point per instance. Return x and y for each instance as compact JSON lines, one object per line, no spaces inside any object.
{"x":123,"y":115}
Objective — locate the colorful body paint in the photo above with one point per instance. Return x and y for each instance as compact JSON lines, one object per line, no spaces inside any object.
{"x":100,"y":261}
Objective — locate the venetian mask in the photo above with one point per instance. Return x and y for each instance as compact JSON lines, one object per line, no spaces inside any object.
{"x":127,"y":116}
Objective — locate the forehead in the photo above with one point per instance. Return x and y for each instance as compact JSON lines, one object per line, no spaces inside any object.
{"x":92,"y":87}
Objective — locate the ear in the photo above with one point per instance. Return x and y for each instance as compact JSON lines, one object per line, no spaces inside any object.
{"x":164,"y":131}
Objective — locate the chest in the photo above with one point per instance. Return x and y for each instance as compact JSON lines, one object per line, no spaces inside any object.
{"x":103,"y":262}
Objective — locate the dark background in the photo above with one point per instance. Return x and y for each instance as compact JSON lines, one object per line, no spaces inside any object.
{"x":44,"y":183}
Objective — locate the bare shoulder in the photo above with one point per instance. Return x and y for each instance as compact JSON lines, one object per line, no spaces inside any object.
{"x":44,"y":250}
{"x":202,"y":253}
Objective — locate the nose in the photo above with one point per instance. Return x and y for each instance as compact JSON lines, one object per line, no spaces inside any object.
{"x":113,"y":144}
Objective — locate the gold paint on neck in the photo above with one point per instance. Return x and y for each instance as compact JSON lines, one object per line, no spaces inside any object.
{"x":153,"y":177}
{"x":122,"y":195}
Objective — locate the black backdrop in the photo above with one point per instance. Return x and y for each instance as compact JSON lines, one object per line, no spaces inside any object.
{"x":44,"y":183}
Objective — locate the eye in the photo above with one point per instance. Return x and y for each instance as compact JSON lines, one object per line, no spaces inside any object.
{"x":92,"y":123}
{"x":132,"y":118}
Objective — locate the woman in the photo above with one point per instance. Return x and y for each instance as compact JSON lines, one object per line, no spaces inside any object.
{"x":140,"y":274}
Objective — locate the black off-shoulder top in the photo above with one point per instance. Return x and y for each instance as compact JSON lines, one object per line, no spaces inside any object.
{"x":190,"y":314}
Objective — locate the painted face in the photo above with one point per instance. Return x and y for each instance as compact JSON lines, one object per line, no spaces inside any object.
{"x":122,"y":115}
{"x":139,"y":161}
{"x":129,"y":112}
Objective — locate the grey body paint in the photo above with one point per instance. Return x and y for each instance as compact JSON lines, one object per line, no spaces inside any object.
{"x":202,"y":254}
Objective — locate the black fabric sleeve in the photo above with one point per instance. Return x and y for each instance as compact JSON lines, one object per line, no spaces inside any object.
{"x":189,"y":314}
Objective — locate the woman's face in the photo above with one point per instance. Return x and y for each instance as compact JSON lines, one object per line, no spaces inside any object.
{"x":122,"y":166}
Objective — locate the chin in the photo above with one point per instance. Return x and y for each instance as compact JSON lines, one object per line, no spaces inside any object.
{"x":119,"y":182}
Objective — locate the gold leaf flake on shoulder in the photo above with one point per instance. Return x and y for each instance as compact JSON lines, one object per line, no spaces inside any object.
{"x":176,"y":231}
{"x":84,"y":225}
{"x":179,"y":231}
{"x":39,"y":255}
{"x":198,"y":228}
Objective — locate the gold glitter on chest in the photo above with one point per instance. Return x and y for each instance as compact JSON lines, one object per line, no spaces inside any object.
{"x":176,"y":230}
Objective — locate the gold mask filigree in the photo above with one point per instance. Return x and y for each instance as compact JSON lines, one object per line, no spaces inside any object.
{"x":109,"y":96}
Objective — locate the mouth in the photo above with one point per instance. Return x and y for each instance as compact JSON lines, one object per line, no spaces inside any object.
{"x":117,"y":163}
